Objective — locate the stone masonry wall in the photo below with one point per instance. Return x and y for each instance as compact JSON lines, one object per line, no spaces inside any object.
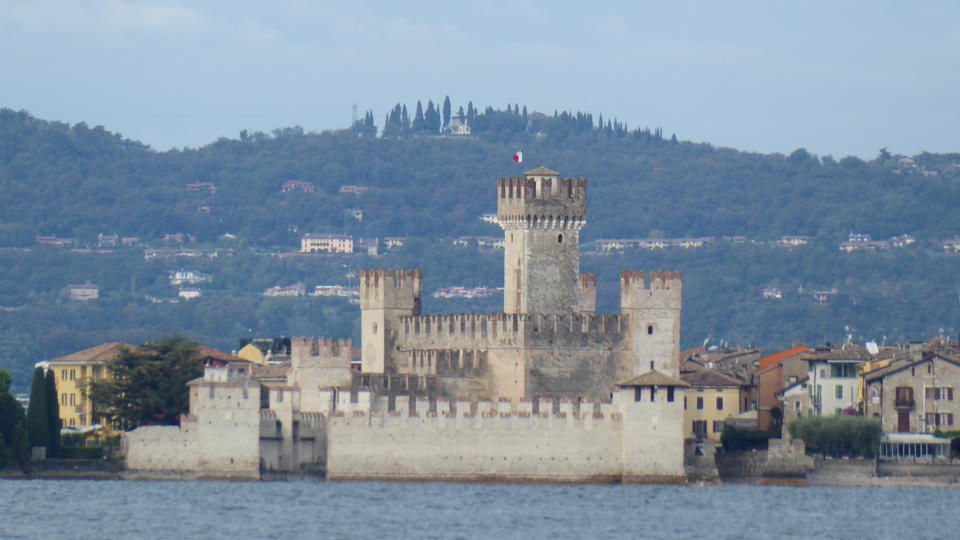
{"x":488,"y":446}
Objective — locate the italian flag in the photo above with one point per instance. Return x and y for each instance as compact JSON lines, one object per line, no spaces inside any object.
{"x":518,"y":157}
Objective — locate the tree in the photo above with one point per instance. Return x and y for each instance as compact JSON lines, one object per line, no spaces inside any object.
{"x":149,"y":384}
{"x":418,"y":120}
{"x":11,"y":415}
{"x":53,"y":412}
{"x":38,"y":426}
{"x":446,"y":112}
{"x":5,"y":381}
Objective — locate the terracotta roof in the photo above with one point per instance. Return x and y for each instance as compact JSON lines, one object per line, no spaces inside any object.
{"x":541,"y":171}
{"x":778,"y":357}
{"x":709,"y":377}
{"x":207,"y":352}
{"x":653,"y":378}
{"x":690,"y":365}
{"x":99,"y":354}
{"x":903,"y":363}
{"x":691,"y":352}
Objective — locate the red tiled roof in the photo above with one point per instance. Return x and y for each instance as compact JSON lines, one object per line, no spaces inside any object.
{"x":690,"y":352}
{"x":778,"y":357}
{"x":99,"y":354}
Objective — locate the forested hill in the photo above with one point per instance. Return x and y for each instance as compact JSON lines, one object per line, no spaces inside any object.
{"x":74,"y":181}
{"x":77,"y":182}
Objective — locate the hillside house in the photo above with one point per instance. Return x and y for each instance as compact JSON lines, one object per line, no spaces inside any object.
{"x":87,"y":291}
{"x":330,"y":243}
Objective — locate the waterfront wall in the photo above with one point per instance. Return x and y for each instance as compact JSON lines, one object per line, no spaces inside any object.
{"x":488,"y":446}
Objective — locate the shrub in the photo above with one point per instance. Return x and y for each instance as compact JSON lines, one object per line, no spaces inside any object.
{"x":838,"y":434}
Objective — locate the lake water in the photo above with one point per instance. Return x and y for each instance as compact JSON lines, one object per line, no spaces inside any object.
{"x":66,"y":510}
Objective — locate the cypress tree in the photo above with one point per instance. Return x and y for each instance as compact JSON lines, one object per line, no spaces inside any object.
{"x":418,"y":121}
{"x":53,"y":412}
{"x":471,"y":112}
{"x":446,"y":112}
{"x":38,"y":427}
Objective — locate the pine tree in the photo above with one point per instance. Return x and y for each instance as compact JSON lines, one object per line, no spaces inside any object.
{"x":446,"y":112}
{"x":418,"y":121}
{"x":38,"y":428}
{"x":53,"y":412}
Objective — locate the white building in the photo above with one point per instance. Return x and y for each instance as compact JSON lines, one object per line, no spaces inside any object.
{"x":331,"y":243}
{"x":833,"y":383}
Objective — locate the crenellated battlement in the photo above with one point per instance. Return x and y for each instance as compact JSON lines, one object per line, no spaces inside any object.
{"x":661,"y":291}
{"x":391,"y":289}
{"x":542,"y":201}
{"x":588,"y":293}
{"x":504,"y":416}
{"x":481,"y":330}
{"x":309,"y":347}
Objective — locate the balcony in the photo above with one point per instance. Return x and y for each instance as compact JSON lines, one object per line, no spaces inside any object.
{"x":82,"y":383}
{"x":903,"y":402}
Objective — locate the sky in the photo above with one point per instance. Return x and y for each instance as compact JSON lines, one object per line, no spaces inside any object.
{"x":835,"y":77}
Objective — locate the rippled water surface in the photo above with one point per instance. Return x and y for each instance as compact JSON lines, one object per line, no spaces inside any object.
{"x":63,"y":510}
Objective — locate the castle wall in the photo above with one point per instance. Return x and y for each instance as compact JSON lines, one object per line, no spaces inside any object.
{"x":228,"y":424}
{"x":162,"y":448}
{"x":460,"y":446}
{"x":652,"y":433}
{"x":218,"y":439}
{"x":654,"y":314}
{"x":317,"y":364}
{"x":385,"y":296}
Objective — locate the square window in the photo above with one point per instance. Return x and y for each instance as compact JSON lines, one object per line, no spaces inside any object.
{"x":700,"y":403}
{"x":670,"y":394}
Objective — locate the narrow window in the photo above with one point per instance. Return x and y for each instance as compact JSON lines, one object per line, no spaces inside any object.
{"x":636,"y":394}
{"x":929,"y":369}
{"x":670,"y":394}
{"x":73,"y":422}
{"x":63,"y":400}
{"x":719,"y":403}
{"x":559,"y":238}
{"x":279,"y":396}
{"x":73,"y":374}
{"x":649,"y":329}
{"x":212,"y":392}
{"x":913,"y":372}
{"x":684,"y":402}
{"x":700,"y":403}
{"x":374,"y":328}
{"x":653,"y":394}
{"x":73,"y":399}
{"x":63,"y":375}
{"x":651,"y":365}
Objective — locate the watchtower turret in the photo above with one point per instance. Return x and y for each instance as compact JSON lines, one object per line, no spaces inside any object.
{"x":541,"y":215}
{"x":385,"y":296}
{"x":654,"y":310}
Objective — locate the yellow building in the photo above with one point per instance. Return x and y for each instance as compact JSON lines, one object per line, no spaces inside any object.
{"x":74,"y":373}
{"x":711,"y":399}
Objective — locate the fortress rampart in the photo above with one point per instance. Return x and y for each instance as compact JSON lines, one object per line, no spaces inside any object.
{"x":491,"y":444}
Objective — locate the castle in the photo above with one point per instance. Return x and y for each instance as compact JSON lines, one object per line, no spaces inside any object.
{"x":506,"y":396}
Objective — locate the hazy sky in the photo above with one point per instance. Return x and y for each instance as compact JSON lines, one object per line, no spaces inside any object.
{"x":833,"y":77}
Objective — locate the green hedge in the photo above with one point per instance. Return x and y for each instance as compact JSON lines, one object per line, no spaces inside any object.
{"x":89,"y":452}
{"x":841,"y":434}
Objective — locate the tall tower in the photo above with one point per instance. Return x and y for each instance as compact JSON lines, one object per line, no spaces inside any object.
{"x":541,"y":215}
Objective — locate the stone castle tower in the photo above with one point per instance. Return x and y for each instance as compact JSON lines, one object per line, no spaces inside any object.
{"x":541,"y":215}
{"x":548,"y":343}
